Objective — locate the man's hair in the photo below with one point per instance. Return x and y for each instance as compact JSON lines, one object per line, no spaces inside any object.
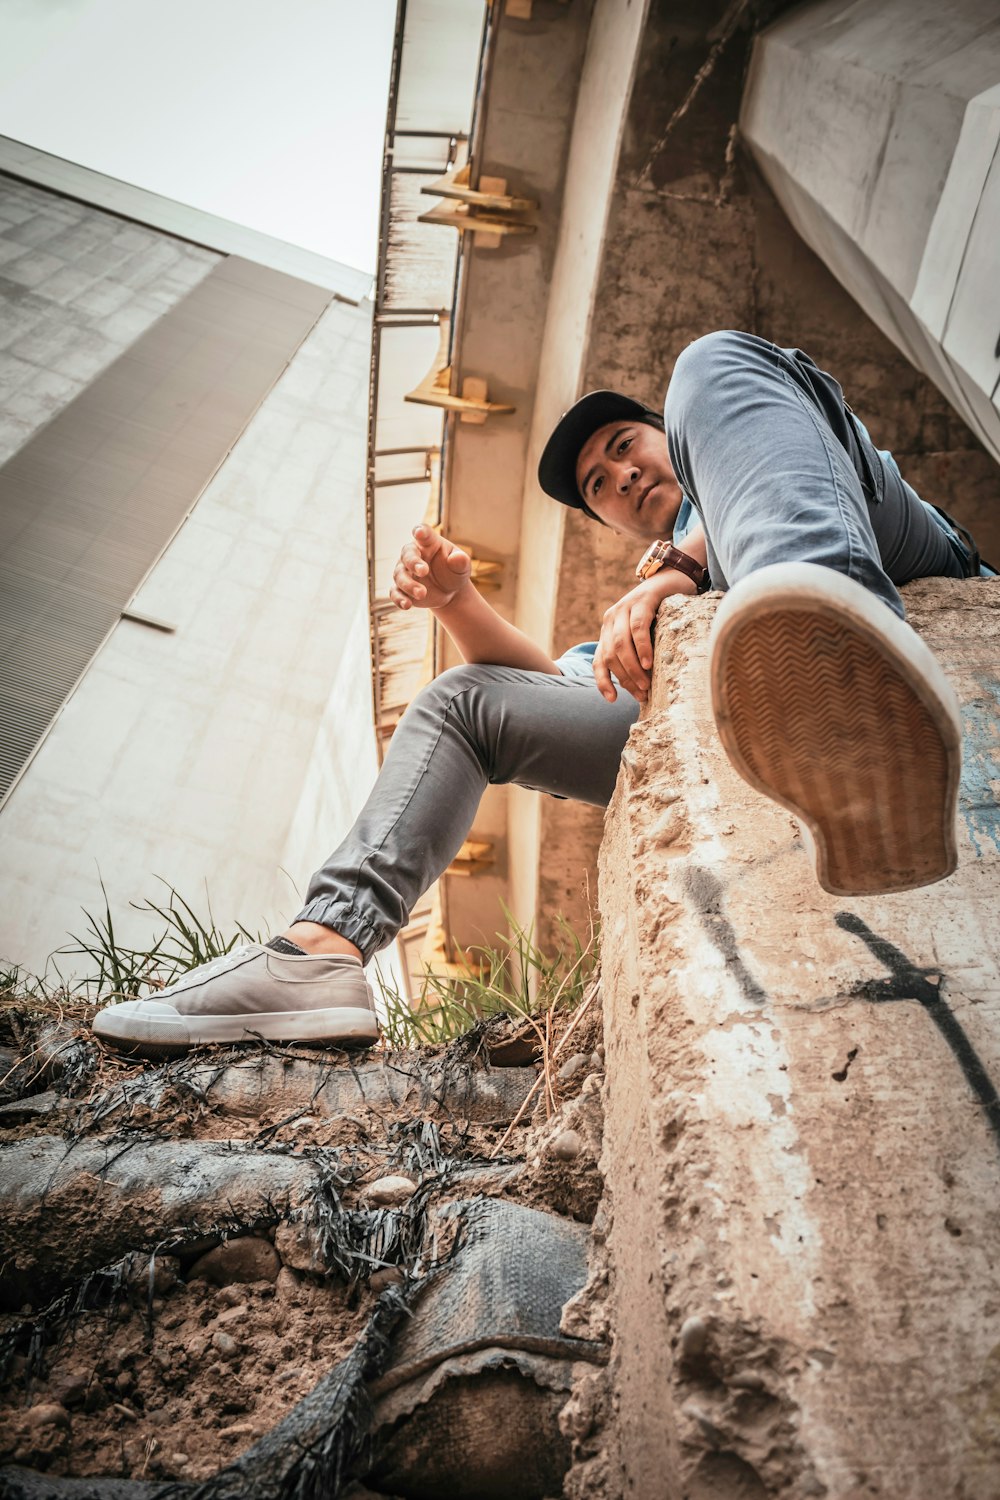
{"x":648,"y":419}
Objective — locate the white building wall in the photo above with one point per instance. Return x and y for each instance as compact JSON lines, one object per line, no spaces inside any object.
{"x":195,"y":756}
{"x":77,"y":288}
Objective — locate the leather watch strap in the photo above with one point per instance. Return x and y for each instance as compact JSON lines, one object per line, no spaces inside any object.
{"x":666,"y":555}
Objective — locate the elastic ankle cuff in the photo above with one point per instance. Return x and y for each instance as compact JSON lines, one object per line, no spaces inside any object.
{"x":347,"y":922}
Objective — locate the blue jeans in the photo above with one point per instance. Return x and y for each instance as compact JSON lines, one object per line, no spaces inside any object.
{"x":763,"y":444}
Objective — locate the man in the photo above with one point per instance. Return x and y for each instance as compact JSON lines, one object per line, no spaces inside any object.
{"x":824,"y":698}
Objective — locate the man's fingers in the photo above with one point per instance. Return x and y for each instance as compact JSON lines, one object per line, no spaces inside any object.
{"x":459,"y":561}
{"x":641,"y":621}
{"x":630,"y":670}
{"x":406,"y":583}
{"x":413,"y":560}
{"x":427,"y":541}
{"x":603,"y":677}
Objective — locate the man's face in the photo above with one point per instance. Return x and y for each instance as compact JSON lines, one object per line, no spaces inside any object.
{"x":625,"y":476}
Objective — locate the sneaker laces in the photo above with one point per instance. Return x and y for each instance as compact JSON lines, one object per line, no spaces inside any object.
{"x":207,"y":970}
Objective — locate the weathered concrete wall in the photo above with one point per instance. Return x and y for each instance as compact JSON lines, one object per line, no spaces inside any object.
{"x":803,"y":1132}
{"x":696,"y":241}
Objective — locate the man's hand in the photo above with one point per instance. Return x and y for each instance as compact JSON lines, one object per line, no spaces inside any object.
{"x":430,"y":572}
{"x":626,"y":644}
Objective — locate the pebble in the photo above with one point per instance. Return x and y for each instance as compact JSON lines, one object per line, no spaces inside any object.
{"x":225,"y":1344}
{"x":747,"y":1380}
{"x":567,"y":1145}
{"x":70,"y":1387}
{"x":233,"y":1314}
{"x":242,"y":1260}
{"x":299,"y":1247}
{"x":386,"y":1276}
{"x":287,"y":1284}
{"x":47,"y":1414}
{"x":166,"y":1272}
{"x":232,"y":1296}
{"x":390,"y":1192}
{"x":572,"y":1066}
{"x":693,"y":1338}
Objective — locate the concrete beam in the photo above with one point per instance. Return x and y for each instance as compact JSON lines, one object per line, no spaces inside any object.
{"x":613,"y":43}
{"x":876,"y":127}
{"x":802,"y":1144}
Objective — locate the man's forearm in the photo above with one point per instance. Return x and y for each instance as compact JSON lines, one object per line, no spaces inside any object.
{"x":483,"y":636}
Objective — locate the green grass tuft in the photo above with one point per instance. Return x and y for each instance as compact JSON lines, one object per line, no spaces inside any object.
{"x":186,"y":941}
{"x":513,"y":978}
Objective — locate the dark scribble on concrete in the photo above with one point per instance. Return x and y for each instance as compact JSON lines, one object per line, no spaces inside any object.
{"x":906,"y":982}
{"x":706,"y":894}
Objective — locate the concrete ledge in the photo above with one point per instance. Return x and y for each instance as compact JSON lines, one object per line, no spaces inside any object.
{"x":802,"y":1145}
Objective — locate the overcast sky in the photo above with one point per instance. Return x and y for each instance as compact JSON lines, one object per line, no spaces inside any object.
{"x":268,"y":112}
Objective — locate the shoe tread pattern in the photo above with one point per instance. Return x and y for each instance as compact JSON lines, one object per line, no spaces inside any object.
{"x":816,"y":715}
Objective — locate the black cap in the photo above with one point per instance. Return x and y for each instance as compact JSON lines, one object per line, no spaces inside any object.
{"x":557,"y":465}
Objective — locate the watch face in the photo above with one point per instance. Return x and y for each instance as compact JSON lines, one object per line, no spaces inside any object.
{"x":650,"y":561}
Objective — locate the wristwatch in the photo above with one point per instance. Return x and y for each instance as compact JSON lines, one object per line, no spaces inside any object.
{"x":666,"y":555}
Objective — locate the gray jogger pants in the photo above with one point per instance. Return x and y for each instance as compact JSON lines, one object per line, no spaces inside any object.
{"x":471,"y":727}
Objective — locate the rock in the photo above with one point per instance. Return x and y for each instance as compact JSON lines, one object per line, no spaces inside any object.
{"x":242,"y":1260}
{"x":233,"y":1314}
{"x":299,"y":1247}
{"x":70,"y":1387}
{"x":225,"y":1344}
{"x":597,"y":1062}
{"x":34,"y":1107}
{"x":166,"y":1272}
{"x":287,"y":1285}
{"x":693,"y":1340}
{"x":390,"y":1192}
{"x":73,"y":1387}
{"x":572,"y":1066}
{"x":567,"y":1145}
{"x":238,"y":1430}
{"x":386,"y":1276}
{"x":46,"y":1414}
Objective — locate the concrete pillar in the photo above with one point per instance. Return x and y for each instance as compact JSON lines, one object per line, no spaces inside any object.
{"x":802,"y":1145}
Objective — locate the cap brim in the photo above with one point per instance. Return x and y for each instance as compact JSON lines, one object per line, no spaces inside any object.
{"x":557,"y":465}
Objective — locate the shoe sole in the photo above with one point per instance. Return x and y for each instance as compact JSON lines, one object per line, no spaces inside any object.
{"x":163,"y":1031}
{"x":834,"y":708}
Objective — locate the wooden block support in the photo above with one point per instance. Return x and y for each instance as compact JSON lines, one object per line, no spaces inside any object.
{"x":473,"y":858}
{"x":473,"y":405}
{"x":490,"y":194}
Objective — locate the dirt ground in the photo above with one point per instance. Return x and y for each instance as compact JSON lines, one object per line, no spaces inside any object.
{"x":279,"y":1190}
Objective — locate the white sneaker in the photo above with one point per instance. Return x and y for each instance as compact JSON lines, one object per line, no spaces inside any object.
{"x":252,"y":991}
{"x":833,"y":707}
